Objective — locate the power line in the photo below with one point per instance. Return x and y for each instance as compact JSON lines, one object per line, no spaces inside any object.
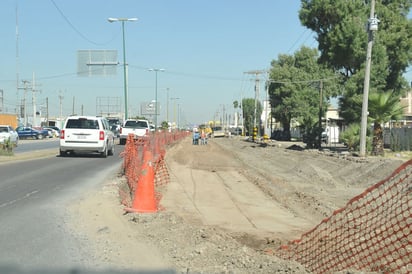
{"x":76,"y":30}
{"x":304,"y":40}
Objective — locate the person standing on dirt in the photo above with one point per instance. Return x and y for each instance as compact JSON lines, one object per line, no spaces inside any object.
{"x":196,"y":137}
{"x":203,"y":138}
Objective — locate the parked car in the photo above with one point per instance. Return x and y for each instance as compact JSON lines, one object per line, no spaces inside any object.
{"x":115,"y":124}
{"x":8,"y":134}
{"x":54,"y":127}
{"x":218,"y":132}
{"x":52,"y":132}
{"x":28,"y":132}
{"x":236,"y":131}
{"x":86,"y":134}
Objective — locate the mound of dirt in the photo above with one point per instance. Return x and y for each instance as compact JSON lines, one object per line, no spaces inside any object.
{"x":229,"y":203}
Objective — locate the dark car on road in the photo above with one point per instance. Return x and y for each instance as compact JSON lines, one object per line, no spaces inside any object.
{"x":28,"y":132}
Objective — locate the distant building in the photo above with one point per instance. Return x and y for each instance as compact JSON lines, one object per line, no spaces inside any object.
{"x":407,"y":103}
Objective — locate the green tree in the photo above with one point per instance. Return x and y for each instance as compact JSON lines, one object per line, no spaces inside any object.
{"x":342,"y":38}
{"x":248,"y":108}
{"x":383,"y":107}
{"x":351,"y":137}
{"x":296,"y":81}
{"x":164,"y":125}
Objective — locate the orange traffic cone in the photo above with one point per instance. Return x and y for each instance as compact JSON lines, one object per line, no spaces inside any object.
{"x":144,"y":198}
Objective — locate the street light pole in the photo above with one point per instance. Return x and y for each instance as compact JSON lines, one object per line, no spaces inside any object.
{"x":178,"y":116}
{"x":174,"y":108}
{"x":156,"y":70}
{"x":126,"y":93}
{"x":167,"y":105}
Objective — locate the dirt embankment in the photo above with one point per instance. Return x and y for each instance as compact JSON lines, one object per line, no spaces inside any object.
{"x":227,"y":202}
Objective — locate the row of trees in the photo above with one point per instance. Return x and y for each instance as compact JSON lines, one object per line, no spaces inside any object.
{"x":302,"y":81}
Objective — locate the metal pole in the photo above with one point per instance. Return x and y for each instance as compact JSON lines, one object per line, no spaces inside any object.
{"x":156,"y":101}
{"x":320,"y":113}
{"x":178,"y":116}
{"x":267,"y":109}
{"x":125,"y":80}
{"x":155,"y":70}
{"x":364,"y":118}
{"x":125,"y":76}
{"x":167,"y":105}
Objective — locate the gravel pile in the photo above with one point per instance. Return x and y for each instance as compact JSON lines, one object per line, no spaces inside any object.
{"x":197,"y":249}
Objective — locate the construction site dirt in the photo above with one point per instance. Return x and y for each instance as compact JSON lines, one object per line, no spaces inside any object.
{"x":228,"y":206}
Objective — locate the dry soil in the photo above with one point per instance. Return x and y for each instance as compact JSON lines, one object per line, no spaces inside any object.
{"x":226,"y":204}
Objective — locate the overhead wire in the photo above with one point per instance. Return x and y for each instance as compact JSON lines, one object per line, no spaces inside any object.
{"x":77,"y":31}
{"x":297,"y":40}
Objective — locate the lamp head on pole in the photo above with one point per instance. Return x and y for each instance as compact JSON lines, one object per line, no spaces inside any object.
{"x":111,"y":19}
{"x":156,"y":69}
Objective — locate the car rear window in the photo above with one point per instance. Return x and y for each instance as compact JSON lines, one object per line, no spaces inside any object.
{"x":136,"y":124}
{"x":82,"y":123}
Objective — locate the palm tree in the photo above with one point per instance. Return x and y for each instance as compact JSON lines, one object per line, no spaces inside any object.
{"x":383,"y":107}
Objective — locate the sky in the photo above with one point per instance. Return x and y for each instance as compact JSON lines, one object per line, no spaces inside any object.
{"x":206,"y":50}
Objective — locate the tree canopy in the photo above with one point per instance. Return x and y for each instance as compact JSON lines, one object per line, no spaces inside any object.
{"x":248,"y":109}
{"x":295,"y":86}
{"x":340,"y":26}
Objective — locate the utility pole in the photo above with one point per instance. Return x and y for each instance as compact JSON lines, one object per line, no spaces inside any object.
{"x":34,"y":90}
{"x":320,"y":114}
{"x":25,"y":87}
{"x":73,"y":106}
{"x":257,"y":82}
{"x":372,"y":26}
{"x":18,"y":110}
{"x":47,"y":110}
{"x":167,"y":105}
{"x":174,"y":110}
{"x":61,"y":106}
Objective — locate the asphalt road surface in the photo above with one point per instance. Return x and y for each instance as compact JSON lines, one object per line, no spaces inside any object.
{"x":34,"y":195}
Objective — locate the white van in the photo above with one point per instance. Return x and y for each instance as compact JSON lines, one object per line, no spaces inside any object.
{"x":86,"y":134}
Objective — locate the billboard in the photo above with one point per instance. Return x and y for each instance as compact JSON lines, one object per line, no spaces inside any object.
{"x":96,"y":62}
{"x":148,"y":108}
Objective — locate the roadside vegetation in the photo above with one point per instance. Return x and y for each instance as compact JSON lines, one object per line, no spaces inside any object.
{"x":6,"y":148}
{"x":302,"y":85}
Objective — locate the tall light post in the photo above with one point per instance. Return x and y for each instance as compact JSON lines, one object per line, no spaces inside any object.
{"x":167,"y":105}
{"x":178,"y":116}
{"x":174,"y":108}
{"x":126,"y":93}
{"x":156,"y":70}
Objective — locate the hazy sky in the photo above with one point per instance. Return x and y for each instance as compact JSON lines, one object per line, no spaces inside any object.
{"x":204,"y":47}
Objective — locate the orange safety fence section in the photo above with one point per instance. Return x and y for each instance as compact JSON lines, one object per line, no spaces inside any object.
{"x":373,"y":232}
{"x":145,"y":169}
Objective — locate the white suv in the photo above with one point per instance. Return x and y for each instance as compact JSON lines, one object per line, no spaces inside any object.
{"x":86,"y":134}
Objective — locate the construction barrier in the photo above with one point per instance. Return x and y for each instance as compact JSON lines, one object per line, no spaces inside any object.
{"x":373,"y":232}
{"x":145,"y":169}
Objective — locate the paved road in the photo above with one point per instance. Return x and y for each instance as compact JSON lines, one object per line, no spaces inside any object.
{"x":33,"y":199}
{"x":30,"y":145}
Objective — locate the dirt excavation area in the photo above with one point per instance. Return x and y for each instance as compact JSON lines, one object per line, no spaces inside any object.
{"x":227,"y":206}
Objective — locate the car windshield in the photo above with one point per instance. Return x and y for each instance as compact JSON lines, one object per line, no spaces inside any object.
{"x":82,"y":123}
{"x":3,"y":129}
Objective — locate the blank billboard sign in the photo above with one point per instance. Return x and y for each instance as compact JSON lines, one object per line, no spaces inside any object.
{"x":96,"y":62}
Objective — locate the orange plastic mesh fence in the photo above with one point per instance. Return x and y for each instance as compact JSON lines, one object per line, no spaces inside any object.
{"x":371,"y":233}
{"x":133,"y":160}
